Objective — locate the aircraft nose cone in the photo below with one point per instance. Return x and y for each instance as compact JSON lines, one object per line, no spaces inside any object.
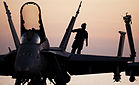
{"x":27,"y":60}
{"x":25,"y":71}
{"x":25,"y":66}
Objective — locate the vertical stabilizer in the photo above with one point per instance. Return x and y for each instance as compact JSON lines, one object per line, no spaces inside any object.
{"x":66,"y":37}
{"x":14,"y":34}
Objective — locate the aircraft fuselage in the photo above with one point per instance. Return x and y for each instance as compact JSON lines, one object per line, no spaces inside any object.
{"x":28,"y":60}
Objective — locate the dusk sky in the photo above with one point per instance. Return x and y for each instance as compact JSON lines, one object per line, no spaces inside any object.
{"x":104,"y":19}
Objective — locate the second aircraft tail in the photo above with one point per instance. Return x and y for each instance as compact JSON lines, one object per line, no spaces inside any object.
{"x":14,"y":34}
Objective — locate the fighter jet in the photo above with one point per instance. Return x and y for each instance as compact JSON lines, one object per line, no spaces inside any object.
{"x":34,"y":60}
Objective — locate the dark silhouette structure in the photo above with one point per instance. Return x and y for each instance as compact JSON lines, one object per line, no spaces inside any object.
{"x":34,"y":60}
{"x":81,"y":35}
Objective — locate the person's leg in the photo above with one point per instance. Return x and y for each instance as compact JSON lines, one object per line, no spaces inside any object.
{"x":80,"y":47}
{"x":74,"y":46}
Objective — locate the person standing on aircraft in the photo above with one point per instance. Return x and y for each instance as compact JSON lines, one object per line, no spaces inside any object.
{"x":81,"y":35}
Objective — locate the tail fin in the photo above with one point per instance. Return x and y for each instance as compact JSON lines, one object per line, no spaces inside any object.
{"x":15,"y":37}
{"x":66,"y":37}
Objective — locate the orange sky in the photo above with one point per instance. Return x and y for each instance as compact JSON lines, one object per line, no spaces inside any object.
{"x":103,"y":18}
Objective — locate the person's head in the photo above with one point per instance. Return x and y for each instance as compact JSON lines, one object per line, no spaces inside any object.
{"x":83,"y":26}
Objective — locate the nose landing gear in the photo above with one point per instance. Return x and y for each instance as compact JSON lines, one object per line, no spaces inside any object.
{"x":34,"y":81}
{"x":117,"y":78}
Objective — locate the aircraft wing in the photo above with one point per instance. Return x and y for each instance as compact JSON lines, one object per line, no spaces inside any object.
{"x":7,"y":64}
{"x":56,"y":51}
{"x":92,"y":64}
{"x":134,"y":68}
{"x":80,"y":64}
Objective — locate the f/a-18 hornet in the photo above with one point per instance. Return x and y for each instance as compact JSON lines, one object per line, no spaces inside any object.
{"x":33,"y":61}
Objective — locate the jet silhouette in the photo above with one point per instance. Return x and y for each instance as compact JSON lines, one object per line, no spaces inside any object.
{"x":33,"y":61}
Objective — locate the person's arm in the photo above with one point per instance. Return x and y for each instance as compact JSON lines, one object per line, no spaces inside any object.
{"x":75,"y":30}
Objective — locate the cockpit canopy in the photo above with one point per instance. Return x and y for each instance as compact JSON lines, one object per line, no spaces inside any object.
{"x":30,"y":37}
{"x":30,"y":15}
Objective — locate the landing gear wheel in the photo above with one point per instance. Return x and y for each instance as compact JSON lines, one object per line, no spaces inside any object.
{"x":117,"y":78}
{"x":132,"y":78}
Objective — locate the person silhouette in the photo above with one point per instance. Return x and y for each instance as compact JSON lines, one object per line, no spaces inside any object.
{"x":81,"y":35}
